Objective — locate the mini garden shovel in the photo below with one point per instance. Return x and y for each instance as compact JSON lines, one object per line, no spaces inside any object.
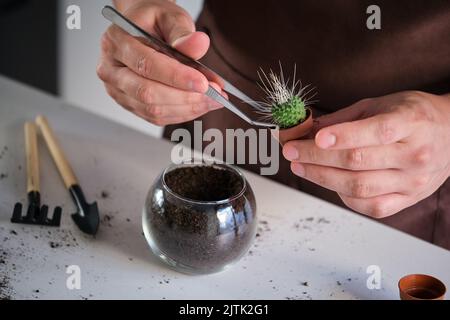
{"x":87,"y":216}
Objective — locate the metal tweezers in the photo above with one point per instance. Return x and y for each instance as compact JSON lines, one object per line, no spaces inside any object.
{"x":154,"y":42}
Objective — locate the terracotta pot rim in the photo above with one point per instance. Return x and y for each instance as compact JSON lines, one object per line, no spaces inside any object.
{"x":298,"y":131}
{"x":406,"y":282}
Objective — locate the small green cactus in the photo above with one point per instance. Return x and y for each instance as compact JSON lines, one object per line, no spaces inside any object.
{"x":286,"y":101}
{"x":289,"y":113}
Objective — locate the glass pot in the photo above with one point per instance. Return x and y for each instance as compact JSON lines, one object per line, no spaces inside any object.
{"x":200,"y":218}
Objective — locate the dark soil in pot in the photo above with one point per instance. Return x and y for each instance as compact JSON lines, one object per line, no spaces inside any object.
{"x":203,"y":183}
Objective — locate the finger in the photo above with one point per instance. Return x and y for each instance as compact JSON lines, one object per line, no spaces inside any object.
{"x":197,"y":111}
{"x":194,"y":45}
{"x":370,"y":158}
{"x":146,"y":113}
{"x":171,"y":114}
{"x":151,"y":92}
{"x":121,"y":98}
{"x":219,"y":89}
{"x":127,"y":102}
{"x":359,"y":184}
{"x":380,"y":206}
{"x":380,"y":129}
{"x":350,"y":113}
{"x":178,"y":29}
{"x":154,"y":65}
{"x":173,"y":25}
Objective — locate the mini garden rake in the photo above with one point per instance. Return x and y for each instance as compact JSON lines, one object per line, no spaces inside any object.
{"x":35,"y":214}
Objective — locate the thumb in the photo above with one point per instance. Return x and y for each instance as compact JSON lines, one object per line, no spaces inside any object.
{"x":178,"y":30}
{"x":194,"y":45}
{"x":351,"y":113}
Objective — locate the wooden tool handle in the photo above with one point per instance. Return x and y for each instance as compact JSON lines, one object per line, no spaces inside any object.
{"x":57,"y":154}
{"x":31,"y":153}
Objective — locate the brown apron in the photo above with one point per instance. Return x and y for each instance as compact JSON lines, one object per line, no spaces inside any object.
{"x":335,"y":51}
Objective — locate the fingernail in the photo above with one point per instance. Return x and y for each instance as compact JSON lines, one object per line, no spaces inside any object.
{"x":325,"y":140}
{"x":180,"y":40}
{"x":212,"y":104}
{"x":197,"y":86}
{"x":298,"y":169}
{"x":290,"y":153}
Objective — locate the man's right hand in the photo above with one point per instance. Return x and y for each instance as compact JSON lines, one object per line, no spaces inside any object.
{"x":151,"y":84}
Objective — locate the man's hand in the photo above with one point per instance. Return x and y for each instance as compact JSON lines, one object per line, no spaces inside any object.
{"x":148,"y":83}
{"x":380,"y":155}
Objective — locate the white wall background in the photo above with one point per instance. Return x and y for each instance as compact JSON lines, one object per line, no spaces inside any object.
{"x":79,"y":53}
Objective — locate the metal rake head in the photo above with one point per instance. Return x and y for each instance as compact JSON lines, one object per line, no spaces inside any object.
{"x":35,"y":213}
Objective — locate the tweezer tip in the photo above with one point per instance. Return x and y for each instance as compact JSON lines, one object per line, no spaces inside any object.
{"x":265,"y":125}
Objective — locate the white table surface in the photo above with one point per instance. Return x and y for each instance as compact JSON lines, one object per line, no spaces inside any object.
{"x":308,"y":249}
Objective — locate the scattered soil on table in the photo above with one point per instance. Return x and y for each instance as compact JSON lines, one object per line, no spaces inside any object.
{"x":62,"y":238}
{"x":3,"y":151}
{"x":3,"y":176}
{"x":307,"y":222}
{"x":312,"y":224}
{"x":192,"y":235}
{"x":263,"y":227}
{"x":305,"y":284}
{"x":305,"y":296}
{"x":57,"y":237}
{"x":104,"y":194}
{"x":106,"y":220}
{"x":20,"y":249}
{"x":5,"y":290}
{"x":54,"y":244}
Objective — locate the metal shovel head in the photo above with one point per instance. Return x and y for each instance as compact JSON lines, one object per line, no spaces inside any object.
{"x":87,"y":216}
{"x":89,"y":220}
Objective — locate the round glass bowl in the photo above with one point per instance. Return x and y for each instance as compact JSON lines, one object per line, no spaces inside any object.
{"x":200,"y":218}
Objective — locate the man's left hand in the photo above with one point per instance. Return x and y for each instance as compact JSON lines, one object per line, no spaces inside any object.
{"x":380,"y":155}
